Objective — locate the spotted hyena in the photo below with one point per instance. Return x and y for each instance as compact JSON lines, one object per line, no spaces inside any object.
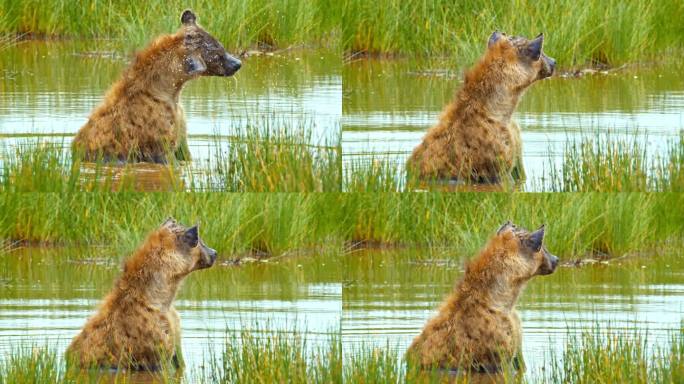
{"x":141,"y":118}
{"x":475,"y":138}
{"x":136,"y":326}
{"x":477,"y":328}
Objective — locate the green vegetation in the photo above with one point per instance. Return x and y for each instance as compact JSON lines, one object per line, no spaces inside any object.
{"x":603,"y":356}
{"x":619,"y":165}
{"x":275,"y":358}
{"x":265,"y":159}
{"x":261,"y":357}
{"x":274,"y":159}
{"x":611,"y":357}
{"x":577,"y":34}
{"x":578,"y":225}
{"x":240,"y":24}
{"x":594,"y":32}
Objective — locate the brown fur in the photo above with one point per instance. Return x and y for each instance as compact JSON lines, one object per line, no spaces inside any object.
{"x":477,"y":327}
{"x":137,"y":326}
{"x":475,"y":138}
{"x":141,"y":118}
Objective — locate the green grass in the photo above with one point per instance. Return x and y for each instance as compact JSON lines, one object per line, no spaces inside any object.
{"x":240,"y":24}
{"x":578,"y":225}
{"x":256,"y":356}
{"x":599,"y":356}
{"x":577,"y":34}
{"x":276,"y":358}
{"x":265,"y":159}
{"x":283,"y":159}
{"x":607,"y":32}
{"x":619,"y":165}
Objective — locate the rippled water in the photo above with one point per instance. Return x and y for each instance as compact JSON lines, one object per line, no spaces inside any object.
{"x":49,"y":88}
{"x":46,"y":296}
{"x":389,"y":105}
{"x":390,"y":295}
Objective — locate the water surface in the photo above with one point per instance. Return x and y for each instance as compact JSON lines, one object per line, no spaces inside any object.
{"x":46,"y":295}
{"x":47,"y":90}
{"x":389,"y":295}
{"x":388,"y":106}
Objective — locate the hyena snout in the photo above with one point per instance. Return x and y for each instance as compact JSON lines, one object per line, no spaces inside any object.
{"x":548,"y":67}
{"x":208,"y":257}
{"x":548,"y":265}
{"x":230,"y":65}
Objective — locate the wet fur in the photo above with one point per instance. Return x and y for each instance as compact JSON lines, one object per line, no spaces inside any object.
{"x":475,"y":138}
{"x":136,"y":326}
{"x":141,"y":118}
{"x":477,"y":327}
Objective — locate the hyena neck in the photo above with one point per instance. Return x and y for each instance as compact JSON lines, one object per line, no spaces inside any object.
{"x":484,"y":94}
{"x":498,"y":293}
{"x":153,"y":286}
{"x":159,"y":69}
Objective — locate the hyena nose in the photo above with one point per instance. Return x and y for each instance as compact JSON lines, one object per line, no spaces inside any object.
{"x":554,"y":262}
{"x":233,"y":64}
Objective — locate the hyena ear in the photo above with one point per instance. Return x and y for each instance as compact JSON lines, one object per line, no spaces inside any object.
{"x":169,"y":221}
{"x":534,"y":47}
{"x":188,"y":18}
{"x":494,"y":38}
{"x":534,"y":241}
{"x":194,"y":65}
{"x":504,"y":227}
{"x":191,"y":237}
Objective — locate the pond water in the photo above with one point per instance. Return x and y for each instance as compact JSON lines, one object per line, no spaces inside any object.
{"x":389,"y":295}
{"x":46,"y":295}
{"x":47,"y":90}
{"x":376,"y":298}
{"x":388,"y":106}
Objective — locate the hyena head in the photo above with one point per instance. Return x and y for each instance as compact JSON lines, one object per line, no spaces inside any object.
{"x":188,"y":244}
{"x":527,"y":56}
{"x":205,"y":56}
{"x":532,"y":256}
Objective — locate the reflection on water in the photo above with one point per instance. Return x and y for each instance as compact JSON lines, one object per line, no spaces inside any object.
{"x":390,"y":295}
{"x":47,"y":295}
{"x":390,"y":104}
{"x":49,"y":88}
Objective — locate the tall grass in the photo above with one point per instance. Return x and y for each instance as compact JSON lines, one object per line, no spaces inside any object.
{"x":283,"y":159}
{"x":607,"y":32}
{"x":618,"y":165}
{"x":610,"y":356}
{"x":578,"y":225}
{"x":255,"y":356}
{"x":263,"y":159}
{"x":600,"y":356}
{"x":275,"y":358}
{"x":239,"y":24}
{"x":279,"y":160}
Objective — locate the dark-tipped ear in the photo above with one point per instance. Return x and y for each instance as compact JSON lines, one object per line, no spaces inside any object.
{"x":169,"y":221}
{"x":534,"y":242}
{"x":534,"y":47}
{"x":188,"y":18}
{"x":505,"y":226}
{"x":191,"y":237}
{"x":494,"y":38}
